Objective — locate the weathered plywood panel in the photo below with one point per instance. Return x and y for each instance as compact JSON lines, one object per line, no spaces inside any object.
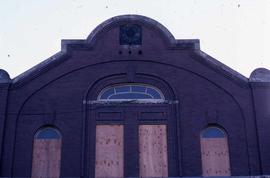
{"x":46,"y":158}
{"x":215,"y":157}
{"x":109,"y":151}
{"x":153,"y":151}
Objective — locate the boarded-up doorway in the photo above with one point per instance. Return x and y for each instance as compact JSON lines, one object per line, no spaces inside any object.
{"x":153,"y":151}
{"x":109,"y":151}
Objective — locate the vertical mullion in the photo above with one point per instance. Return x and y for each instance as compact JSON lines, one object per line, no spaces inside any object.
{"x":131,"y":142}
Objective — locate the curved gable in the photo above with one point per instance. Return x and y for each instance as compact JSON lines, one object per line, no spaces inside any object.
{"x":108,"y":36}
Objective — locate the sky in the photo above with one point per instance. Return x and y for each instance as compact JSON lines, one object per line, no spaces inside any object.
{"x":235,"y":32}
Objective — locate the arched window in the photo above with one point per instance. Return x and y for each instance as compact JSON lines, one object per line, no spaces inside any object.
{"x":47,"y":153}
{"x":130,"y":92}
{"x":215,"y":152}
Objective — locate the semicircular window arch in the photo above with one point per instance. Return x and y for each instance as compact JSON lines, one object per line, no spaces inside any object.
{"x":213,"y":132}
{"x":130,"y":92}
{"x":48,"y":133}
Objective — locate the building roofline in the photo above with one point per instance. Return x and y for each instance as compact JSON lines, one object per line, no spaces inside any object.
{"x":220,"y":67}
{"x":87,"y":44}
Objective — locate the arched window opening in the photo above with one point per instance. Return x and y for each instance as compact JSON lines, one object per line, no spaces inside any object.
{"x":130,"y":92}
{"x":215,"y":152}
{"x":48,"y":133}
{"x":213,"y":132}
{"x":47,"y":153}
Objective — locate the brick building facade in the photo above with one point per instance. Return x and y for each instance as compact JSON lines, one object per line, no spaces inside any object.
{"x":131,"y":100}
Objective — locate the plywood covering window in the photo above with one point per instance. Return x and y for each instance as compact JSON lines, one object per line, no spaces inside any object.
{"x":215,"y":152}
{"x":153,"y":151}
{"x":109,"y":151}
{"x":46,"y":154}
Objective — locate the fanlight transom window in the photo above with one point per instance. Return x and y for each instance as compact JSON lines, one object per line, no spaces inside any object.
{"x":131,"y":92}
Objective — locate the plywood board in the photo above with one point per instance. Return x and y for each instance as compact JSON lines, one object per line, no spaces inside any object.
{"x":153,"y":151}
{"x":46,"y":158}
{"x":109,"y":151}
{"x":215,"y":157}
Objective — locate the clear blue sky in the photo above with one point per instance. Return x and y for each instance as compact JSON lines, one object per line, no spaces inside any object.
{"x":236,"y":32}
